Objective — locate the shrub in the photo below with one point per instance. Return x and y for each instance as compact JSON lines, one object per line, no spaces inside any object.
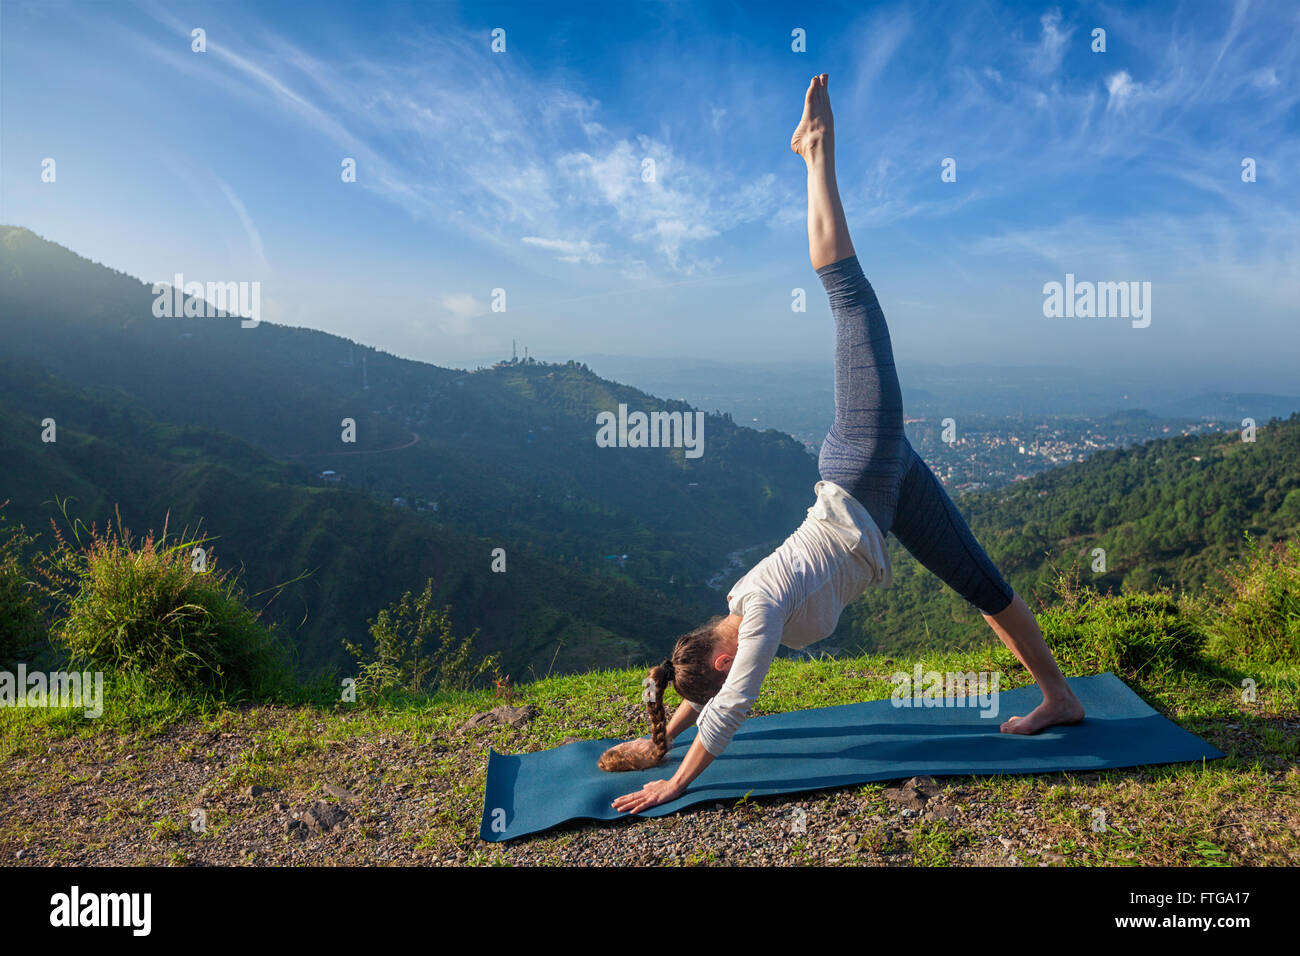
{"x":1131,"y":634}
{"x":150,"y":608}
{"x":402,"y":659}
{"x":1259,"y":619}
{"x":22,"y":623}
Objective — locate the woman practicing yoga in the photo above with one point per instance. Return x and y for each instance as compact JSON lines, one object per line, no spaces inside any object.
{"x":872,"y":483}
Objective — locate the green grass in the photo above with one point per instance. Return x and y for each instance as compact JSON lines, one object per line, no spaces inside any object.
{"x":158,"y":608}
{"x":1172,"y":651}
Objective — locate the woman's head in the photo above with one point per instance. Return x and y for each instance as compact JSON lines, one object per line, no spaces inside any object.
{"x":692,"y":670}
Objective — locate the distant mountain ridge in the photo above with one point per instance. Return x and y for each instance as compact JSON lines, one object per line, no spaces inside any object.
{"x":505,"y":455}
{"x":185,"y":415}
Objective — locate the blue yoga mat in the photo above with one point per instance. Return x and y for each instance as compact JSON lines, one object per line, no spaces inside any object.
{"x":837,"y":747}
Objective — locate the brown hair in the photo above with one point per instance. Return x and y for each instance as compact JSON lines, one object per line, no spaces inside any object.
{"x":691,"y":672}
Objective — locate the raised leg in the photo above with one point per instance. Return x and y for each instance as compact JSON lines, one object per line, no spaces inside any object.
{"x":814,"y":140}
{"x":867,"y":452}
{"x":863,"y":451}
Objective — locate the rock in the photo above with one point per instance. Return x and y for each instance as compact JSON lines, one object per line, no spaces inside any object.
{"x":323,"y":817}
{"x":1051,"y":856}
{"x":257,"y":790}
{"x":942,"y":811}
{"x":905,"y":796}
{"x":921,"y":783}
{"x":20,"y":855}
{"x":1006,"y":842}
{"x":503,"y":714}
{"x":334,"y":790}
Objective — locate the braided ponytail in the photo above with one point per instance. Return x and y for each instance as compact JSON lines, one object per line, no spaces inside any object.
{"x":691,"y":672}
{"x":653,"y":687}
{"x":656,"y":683}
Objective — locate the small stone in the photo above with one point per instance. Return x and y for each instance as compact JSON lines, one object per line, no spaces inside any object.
{"x":942,"y":812}
{"x":920,"y":783}
{"x":1051,"y":856}
{"x":256,"y":790}
{"x":334,"y":790}
{"x":503,"y":714}
{"x":905,"y":796}
{"x":1006,"y":842}
{"x":324,"y":816}
{"x":21,"y":855}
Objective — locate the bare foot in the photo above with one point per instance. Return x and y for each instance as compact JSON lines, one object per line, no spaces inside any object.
{"x":815,"y":127}
{"x":1049,"y":713}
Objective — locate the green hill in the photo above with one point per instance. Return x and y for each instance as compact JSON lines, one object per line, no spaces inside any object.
{"x":234,"y":427}
{"x":1169,"y":512}
{"x":209,"y":421}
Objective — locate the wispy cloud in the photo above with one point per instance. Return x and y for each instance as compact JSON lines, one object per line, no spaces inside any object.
{"x":1045,"y":58}
{"x":649,"y":162}
{"x":250,"y":230}
{"x":478,"y":144}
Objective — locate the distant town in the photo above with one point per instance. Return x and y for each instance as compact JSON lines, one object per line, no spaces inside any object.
{"x":991,"y":451}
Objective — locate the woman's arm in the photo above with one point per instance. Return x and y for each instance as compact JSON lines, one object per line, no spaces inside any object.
{"x":760,"y":635}
{"x":682,"y":718}
{"x":662,"y":791}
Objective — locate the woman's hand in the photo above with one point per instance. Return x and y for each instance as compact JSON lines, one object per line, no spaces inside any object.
{"x":651,"y":795}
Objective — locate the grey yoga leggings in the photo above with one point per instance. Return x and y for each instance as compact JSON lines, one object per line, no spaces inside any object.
{"x":868,"y":455}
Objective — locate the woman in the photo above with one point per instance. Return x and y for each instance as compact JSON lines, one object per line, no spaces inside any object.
{"x":872,"y":483}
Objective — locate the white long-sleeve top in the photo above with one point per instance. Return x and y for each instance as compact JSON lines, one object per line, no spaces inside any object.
{"x":795,"y":597}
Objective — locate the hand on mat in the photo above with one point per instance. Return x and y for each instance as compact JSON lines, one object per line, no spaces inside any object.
{"x":651,"y":795}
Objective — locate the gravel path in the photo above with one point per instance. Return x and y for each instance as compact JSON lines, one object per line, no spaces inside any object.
{"x":374,"y":800}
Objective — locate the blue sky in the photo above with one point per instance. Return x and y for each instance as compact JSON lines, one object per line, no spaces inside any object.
{"x":522,"y":170}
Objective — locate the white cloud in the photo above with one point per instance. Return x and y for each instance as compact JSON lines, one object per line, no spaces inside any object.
{"x":1046,"y":57}
{"x":1265,"y":78}
{"x":245,"y":220}
{"x":1121,"y":88}
{"x":570,"y":250}
{"x":460,"y":308}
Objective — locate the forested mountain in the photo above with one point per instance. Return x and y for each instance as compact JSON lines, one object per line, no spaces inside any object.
{"x":1169,"y":512}
{"x":236,"y":426}
{"x":207,"y":421}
